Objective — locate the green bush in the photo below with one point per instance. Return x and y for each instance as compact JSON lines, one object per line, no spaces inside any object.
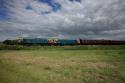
{"x":16,"y":47}
{"x":77,"y":47}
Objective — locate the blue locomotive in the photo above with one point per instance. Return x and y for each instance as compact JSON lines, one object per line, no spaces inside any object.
{"x":44,"y":41}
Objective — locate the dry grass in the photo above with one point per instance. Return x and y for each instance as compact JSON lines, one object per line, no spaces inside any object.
{"x":62,"y":66}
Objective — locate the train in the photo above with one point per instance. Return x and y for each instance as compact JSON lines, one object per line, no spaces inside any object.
{"x":61,"y":42}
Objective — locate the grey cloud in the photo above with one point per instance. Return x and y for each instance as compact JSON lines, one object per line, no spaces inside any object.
{"x":90,"y":19}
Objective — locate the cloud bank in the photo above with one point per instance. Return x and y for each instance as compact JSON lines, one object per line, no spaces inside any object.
{"x":86,"y":19}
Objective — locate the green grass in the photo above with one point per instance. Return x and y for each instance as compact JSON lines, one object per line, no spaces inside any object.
{"x":76,"y":64}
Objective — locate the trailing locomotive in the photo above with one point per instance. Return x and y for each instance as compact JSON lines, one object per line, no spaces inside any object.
{"x":61,"y":42}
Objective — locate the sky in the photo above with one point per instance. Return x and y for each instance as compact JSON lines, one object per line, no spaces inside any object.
{"x":86,"y":19}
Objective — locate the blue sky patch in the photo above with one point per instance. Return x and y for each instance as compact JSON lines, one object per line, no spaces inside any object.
{"x":3,"y":10}
{"x":3,"y":15}
{"x":54,"y":5}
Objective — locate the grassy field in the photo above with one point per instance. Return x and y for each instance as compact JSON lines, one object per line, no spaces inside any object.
{"x":77,"y":64}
